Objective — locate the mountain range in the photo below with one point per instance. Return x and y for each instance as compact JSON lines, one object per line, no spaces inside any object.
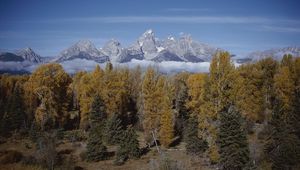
{"x":146,"y":48}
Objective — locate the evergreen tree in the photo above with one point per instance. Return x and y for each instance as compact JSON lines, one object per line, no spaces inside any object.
{"x":232,"y":139}
{"x":194,"y":144}
{"x":96,"y":150}
{"x":113,"y":130}
{"x":129,"y":147}
{"x":97,"y":114}
{"x":282,"y":147}
{"x":182,"y":110}
{"x":17,"y":108}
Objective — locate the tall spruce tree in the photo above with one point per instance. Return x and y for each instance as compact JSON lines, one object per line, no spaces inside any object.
{"x":182,"y":110}
{"x":232,"y":139}
{"x":282,"y":147}
{"x":17,"y":109}
{"x":194,"y":144}
{"x":113,"y":130}
{"x":97,"y":114}
{"x":96,"y":150}
{"x":129,"y":147}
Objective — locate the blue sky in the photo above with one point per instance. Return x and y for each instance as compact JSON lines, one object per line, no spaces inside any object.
{"x":237,"y":26}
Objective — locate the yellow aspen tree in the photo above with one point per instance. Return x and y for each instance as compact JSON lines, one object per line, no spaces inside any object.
{"x":50,"y":83}
{"x":150,"y":115}
{"x":166,"y":131}
{"x":219,"y":94}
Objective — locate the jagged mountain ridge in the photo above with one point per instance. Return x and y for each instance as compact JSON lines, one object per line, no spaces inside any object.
{"x":26,"y":54}
{"x":146,"y":47}
{"x":276,"y":53}
{"x":83,"y":49}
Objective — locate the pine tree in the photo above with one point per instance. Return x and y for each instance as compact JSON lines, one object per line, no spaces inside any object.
{"x":232,"y":140}
{"x":17,"y":110}
{"x":97,"y":114}
{"x":282,"y":147}
{"x":194,"y":144}
{"x":129,"y":147}
{"x":113,"y":130}
{"x":181,"y":108}
{"x":96,"y":150}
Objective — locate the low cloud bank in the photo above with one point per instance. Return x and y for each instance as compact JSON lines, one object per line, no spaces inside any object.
{"x":14,"y":66}
{"x":165,"y":67}
{"x":76,"y":65}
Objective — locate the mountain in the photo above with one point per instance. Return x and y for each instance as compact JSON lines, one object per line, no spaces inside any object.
{"x":276,"y":53}
{"x":83,"y":49}
{"x":23,"y":55}
{"x":188,"y":49}
{"x":148,"y":47}
{"x":7,"y":56}
{"x":118,"y":54}
{"x":29,"y":55}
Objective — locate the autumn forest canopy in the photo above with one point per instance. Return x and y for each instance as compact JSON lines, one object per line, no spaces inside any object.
{"x":244,"y":117}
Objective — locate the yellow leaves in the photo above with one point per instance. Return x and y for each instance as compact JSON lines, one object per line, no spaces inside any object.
{"x":111,"y":85}
{"x":285,"y":87}
{"x":195,"y":84}
{"x":248,"y":90}
{"x":49,"y":83}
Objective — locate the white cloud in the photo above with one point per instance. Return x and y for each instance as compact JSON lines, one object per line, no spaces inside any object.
{"x":165,"y":67}
{"x":76,"y":65}
{"x":14,"y":66}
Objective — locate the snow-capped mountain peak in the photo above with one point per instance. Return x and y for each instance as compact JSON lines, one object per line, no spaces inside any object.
{"x":82,"y":49}
{"x":113,"y":49}
{"x":29,"y":55}
{"x":276,"y":53}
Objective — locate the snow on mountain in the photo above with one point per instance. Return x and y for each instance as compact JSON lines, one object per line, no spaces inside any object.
{"x":276,"y":53}
{"x":84,"y":49}
{"x":29,"y":55}
{"x":148,"y":44}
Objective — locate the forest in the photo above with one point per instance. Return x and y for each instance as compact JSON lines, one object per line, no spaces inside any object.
{"x":231,"y":118}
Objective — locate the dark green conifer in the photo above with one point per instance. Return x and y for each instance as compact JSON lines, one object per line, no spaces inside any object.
{"x":232,"y":140}
{"x":129,"y":147}
{"x":113,"y":130}
{"x":98,"y":113}
{"x":282,"y":147}
{"x":96,"y":150}
{"x":194,"y":144}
